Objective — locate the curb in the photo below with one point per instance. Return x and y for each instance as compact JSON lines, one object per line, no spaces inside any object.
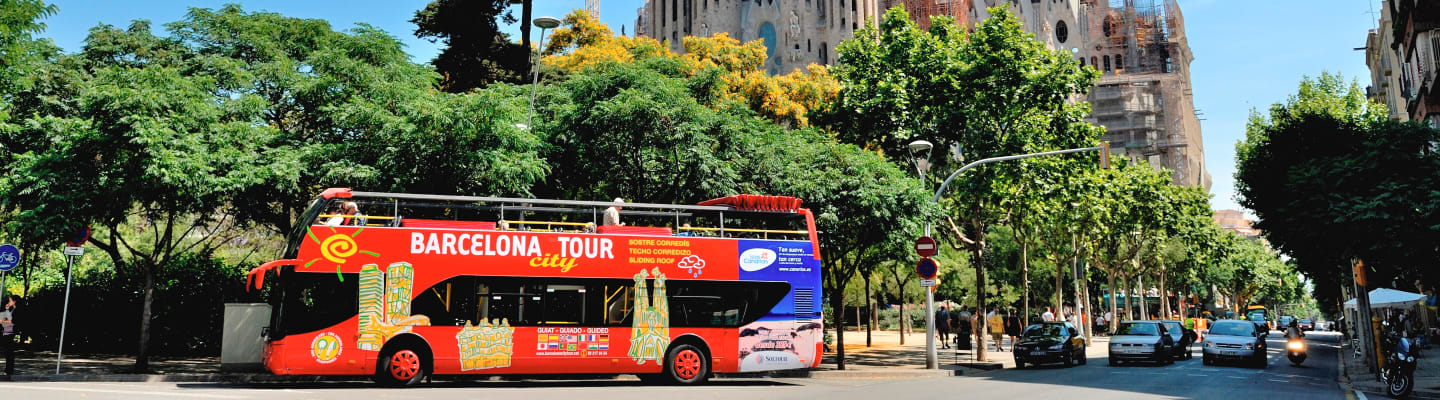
{"x":182,"y":378}
{"x":876,"y":373}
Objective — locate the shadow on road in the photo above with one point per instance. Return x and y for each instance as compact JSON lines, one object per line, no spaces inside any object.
{"x":517,"y":383}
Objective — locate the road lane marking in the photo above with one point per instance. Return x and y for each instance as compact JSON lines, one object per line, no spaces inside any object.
{"x":123,"y":392}
{"x":1361,"y":395}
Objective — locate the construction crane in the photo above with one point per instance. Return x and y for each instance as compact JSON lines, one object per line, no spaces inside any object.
{"x":592,"y":7}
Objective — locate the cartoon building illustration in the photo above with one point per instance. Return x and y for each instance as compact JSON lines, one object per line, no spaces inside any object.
{"x":651,"y":326}
{"x":384,"y":302}
{"x":486,"y":345}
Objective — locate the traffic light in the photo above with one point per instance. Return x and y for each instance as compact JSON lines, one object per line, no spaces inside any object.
{"x":1105,"y":155}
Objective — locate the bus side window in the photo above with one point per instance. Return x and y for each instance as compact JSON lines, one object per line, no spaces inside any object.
{"x":619,"y":304}
{"x":449,"y":303}
{"x":564,"y":304}
{"x":520,"y":305}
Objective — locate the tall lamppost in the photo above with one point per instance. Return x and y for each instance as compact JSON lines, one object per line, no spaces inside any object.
{"x":545,"y":23}
{"x":922,"y":165}
{"x":920,"y":146}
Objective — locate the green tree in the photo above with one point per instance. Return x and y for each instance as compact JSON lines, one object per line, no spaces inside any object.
{"x":1331,"y":180}
{"x":995,"y":92}
{"x":476,"y":53}
{"x":239,"y":118}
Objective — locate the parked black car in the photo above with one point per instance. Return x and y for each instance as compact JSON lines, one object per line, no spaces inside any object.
{"x":1183,"y":339}
{"x":1050,"y":342}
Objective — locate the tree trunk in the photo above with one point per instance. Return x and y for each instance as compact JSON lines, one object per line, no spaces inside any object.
{"x":1060,"y":289}
{"x":837,"y":303}
{"x":1025,"y":277}
{"x":869,"y":309}
{"x":1129,"y":298}
{"x":1144,"y":298}
{"x":142,"y":358}
{"x":1164,"y":296}
{"x":1114,"y":311}
{"x":1089,"y":312}
{"x":980,"y":298}
{"x":525,"y":11}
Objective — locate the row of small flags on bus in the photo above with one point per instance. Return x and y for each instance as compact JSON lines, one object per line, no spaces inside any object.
{"x":572,"y":342}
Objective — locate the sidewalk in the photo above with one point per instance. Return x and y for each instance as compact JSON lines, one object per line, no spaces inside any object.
{"x":885,"y":358}
{"x":886,"y":353}
{"x":1427,"y":373}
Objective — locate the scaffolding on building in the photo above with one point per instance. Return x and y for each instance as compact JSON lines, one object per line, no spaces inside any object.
{"x":921,"y":10}
{"x":1144,"y":101}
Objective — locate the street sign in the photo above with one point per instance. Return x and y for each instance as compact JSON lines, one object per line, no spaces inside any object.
{"x":927,"y":282}
{"x":79,"y":237}
{"x":74,"y":251}
{"x":926,"y":246}
{"x":927,"y":268}
{"x":9,"y":257}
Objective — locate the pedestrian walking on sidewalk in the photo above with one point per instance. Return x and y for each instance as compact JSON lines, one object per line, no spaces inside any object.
{"x":1013,"y":327}
{"x":942,"y":326}
{"x":11,"y":332}
{"x":996,"y":325}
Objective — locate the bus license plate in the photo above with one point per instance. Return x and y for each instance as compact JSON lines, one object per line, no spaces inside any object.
{"x":1037,"y":353}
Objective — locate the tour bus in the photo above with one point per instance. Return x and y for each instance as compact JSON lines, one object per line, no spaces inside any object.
{"x":403,"y":286}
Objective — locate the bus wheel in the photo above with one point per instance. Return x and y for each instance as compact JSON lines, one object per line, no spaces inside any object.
{"x":687,"y":365}
{"x":402,"y":367}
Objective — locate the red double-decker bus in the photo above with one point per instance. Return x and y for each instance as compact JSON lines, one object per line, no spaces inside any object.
{"x":402,"y":286}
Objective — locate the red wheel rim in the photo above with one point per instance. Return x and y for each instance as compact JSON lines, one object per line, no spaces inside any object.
{"x":404,"y":364}
{"x":687,"y":364}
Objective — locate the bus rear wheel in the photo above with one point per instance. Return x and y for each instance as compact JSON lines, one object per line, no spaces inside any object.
{"x":686,"y":364}
{"x":402,"y":367}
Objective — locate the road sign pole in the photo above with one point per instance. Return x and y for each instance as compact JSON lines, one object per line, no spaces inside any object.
{"x":65,"y":312}
{"x":930,"y":355}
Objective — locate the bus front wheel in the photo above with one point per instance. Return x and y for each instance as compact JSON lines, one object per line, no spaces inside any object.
{"x":401,"y":367}
{"x":687,"y":365}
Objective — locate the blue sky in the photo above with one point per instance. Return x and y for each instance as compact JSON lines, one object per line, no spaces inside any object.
{"x":1248,"y":54}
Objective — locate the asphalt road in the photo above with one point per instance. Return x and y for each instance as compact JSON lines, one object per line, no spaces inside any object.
{"x":1314,"y":380}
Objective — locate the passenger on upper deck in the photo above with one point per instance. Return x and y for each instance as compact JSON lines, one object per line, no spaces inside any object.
{"x":612,"y":214}
{"x":349,"y":214}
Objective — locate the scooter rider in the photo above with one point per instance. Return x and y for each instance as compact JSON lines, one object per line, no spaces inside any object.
{"x":1293,"y":331}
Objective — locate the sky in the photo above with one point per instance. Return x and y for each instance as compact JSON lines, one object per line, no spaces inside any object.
{"x":1248,"y":54}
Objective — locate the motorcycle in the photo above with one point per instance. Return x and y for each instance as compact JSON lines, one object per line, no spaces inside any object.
{"x":1399,"y":372}
{"x":1295,"y":350}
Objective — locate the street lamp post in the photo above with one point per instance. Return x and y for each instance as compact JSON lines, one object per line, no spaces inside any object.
{"x":921,"y":166}
{"x":545,"y":23}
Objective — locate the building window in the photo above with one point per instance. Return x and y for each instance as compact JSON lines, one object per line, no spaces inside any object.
{"x":1061,"y":32}
{"x":824,"y":53}
{"x":1082,"y":61}
{"x":1119,"y":64}
{"x":1107,"y":63}
{"x":674,"y":10}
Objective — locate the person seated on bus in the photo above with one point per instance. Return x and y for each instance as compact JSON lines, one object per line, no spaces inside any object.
{"x":349,"y":214}
{"x":612,"y":214}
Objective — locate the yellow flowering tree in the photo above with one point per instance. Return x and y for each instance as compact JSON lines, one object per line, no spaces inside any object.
{"x":729,"y":70}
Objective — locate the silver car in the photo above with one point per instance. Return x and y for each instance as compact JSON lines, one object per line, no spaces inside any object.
{"x":1141,"y":341}
{"x":1235,"y":340}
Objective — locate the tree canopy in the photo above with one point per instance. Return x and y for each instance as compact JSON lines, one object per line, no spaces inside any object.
{"x":1330,"y":180}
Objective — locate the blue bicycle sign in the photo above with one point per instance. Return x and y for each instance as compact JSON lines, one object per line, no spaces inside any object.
{"x":9,"y":257}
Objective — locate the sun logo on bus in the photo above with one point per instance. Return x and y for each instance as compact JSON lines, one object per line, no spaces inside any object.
{"x":336,"y":248}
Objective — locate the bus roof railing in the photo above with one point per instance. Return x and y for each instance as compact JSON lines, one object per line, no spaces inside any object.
{"x":570,"y":203}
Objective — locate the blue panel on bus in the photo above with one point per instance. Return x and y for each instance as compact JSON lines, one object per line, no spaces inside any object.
{"x":789,"y":261}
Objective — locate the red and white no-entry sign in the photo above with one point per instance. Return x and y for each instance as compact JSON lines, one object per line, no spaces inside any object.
{"x":926,"y":246}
